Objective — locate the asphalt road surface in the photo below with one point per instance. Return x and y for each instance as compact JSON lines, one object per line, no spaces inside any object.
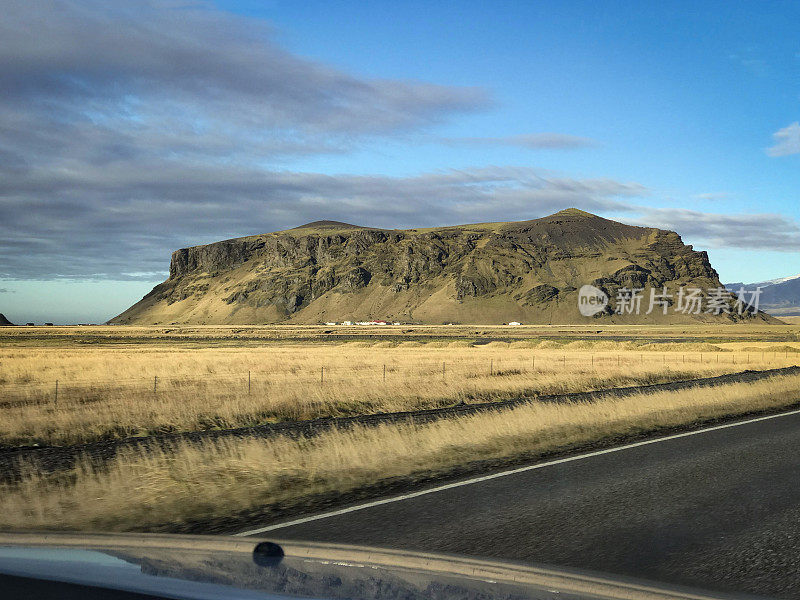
{"x":718,"y":510}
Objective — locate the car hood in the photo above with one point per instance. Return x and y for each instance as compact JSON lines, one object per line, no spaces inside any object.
{"x":204,"y":567}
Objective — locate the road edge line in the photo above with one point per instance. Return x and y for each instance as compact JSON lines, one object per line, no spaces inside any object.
{"x":506,"y":473}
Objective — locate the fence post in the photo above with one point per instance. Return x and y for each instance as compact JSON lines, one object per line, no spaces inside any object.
{"x":248,"y":383}
{"x":491,"y":366}
{"x":56,"y":399}
{"x":322,"y":375}
{"x":443,"y":371}
{"x":155,"y":384}
{"x":384,"y":372}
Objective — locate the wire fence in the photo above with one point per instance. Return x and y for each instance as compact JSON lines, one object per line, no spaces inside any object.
{"x":57,"y":390}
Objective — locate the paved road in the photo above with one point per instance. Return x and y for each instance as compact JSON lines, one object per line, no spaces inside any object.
{"x":719,"y":509}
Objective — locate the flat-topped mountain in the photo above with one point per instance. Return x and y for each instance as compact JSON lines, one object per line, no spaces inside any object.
{"x":526,"y":271}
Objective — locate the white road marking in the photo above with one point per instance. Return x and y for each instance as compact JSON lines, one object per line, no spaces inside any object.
{"x":474,"y":480}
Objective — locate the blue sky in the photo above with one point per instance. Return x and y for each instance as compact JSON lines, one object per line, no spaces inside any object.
{"x":139,"y":128}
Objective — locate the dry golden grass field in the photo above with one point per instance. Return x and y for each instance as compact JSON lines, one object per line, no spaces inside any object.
{"x":72,"y":385}
{"x":118,"y":381}
{"x":166,"y":490}
{"x":247,"y":335}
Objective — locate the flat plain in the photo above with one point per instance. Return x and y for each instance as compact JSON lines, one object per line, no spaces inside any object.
{"x":77,"y":385}
{"x":71,"y":385}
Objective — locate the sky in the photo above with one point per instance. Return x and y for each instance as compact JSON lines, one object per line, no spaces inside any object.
{"x":130,"y":129}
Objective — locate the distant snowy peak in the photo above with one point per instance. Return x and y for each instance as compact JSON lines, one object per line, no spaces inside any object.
{"x":779,"y":296}
{"x":762,"y":284}
{"x":779,"y":280}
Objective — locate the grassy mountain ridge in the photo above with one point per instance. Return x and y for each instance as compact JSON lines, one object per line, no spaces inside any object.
{"x":526,"y":271}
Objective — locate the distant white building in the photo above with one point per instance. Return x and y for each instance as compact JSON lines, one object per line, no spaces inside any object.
{"x":347,"y":322}
{"x":514,"y":323}
{"x":332,"y":323}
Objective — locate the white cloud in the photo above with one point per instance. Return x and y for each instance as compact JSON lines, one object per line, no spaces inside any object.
{"x":787,"y":141}
{"x":761,"y":231}
{"x":533,"y":141}
{"x":108,"y":80}
{"x":712,"y":196}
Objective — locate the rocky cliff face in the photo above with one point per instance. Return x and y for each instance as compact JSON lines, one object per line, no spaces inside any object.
{"x":527,"y":271}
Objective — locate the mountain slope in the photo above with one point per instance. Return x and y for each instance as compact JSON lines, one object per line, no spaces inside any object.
{"x":526,"y":271}
{"x":4,"y":321}
{"x":778,"y":296}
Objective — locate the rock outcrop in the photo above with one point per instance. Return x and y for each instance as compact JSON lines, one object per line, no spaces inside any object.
{"x":528,"y":271}
{"x":4,"y":321}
